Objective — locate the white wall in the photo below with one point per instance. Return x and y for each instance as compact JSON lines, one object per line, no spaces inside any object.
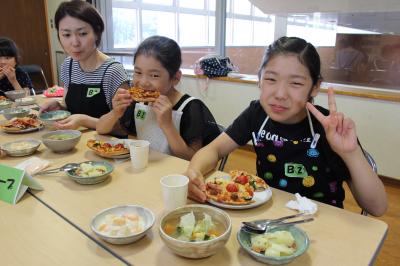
{"x":378,"y":122}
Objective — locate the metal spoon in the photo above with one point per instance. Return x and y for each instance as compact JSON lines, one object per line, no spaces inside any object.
{"x":64,"y":168}
{"x":261,"y":228}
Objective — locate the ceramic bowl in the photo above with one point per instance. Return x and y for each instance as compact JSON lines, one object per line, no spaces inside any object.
{"x":25,"y":101}
{"x":5,"y":104}
{"x":61,"y":140}
{"x":13,"y":95}
{"x":91,"y":180}
{"x":10,"y":113}
{"x":21,"y":147}
{"x":199,"y":249}
{"x":300,"y":237}
{"x":146,"y":214}
{"x":50,"y":117}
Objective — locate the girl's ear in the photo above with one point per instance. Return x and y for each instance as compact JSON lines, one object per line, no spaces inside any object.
{"x":177,"y":77}
{"x":315,"y":89}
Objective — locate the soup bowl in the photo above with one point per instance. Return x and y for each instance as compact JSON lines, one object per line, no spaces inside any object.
{"x":200,"y":249}
{"x":22,"y":147}
{"x":50,"y":117}
{"x":15,"y":94}
{"x":10,"y":113}
{"x":61,"y":140}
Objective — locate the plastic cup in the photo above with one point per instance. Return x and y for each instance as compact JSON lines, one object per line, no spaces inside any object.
{"x":139,"y":151}
{"x":174,"y":190}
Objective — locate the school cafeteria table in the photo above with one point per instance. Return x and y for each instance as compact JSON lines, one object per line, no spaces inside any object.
{"x":31,"y":234}
{"x":338,"y":237}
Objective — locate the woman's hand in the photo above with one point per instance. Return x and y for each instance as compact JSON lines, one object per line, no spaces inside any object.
{"x":163,"y":110}
{"x":50,"y":106}
{"x":71,"y":122}
{"x":197,"y":188}
{"x":121,"y":100}
{"x":340,"y":130}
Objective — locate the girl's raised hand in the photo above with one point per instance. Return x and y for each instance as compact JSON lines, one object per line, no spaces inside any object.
{"x":121,"y":100}
{"x":10,"y":73}
{"x":163,"y":110}
{"x":340,"y":130}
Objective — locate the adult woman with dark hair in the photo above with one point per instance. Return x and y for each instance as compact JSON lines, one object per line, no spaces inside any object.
{"x":12,"y":77}
{"x":90,"y":77}
{"x":301,"y":148}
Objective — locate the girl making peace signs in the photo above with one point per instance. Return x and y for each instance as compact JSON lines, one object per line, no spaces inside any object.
{"x":300,"y":147}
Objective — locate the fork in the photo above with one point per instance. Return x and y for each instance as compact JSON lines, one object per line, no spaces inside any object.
{"x":261,"y":226}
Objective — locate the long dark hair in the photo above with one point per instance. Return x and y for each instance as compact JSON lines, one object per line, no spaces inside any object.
{"x":164,"y":49}
{"x":305,"y":51}
{"x":82,"y":11}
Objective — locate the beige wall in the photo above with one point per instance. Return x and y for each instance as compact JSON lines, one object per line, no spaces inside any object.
{"x":52,"y":6}
{"x":378,"y":122}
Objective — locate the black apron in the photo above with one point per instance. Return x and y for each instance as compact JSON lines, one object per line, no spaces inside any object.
{"x":87,"y":99}
{"x":296,"y":166}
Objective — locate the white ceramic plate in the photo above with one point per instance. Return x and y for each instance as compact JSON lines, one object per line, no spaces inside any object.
{"x":259,"y":198}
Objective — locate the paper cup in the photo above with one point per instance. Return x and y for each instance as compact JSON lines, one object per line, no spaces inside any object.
{"x":139,"y":151}
{"x":174,"y":189}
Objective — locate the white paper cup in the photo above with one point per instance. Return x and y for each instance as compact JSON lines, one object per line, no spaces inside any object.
{"x":174,"y":190}
{"x":139,"y":150}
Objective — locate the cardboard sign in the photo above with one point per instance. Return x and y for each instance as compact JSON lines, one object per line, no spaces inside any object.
{"x":14,"y":182}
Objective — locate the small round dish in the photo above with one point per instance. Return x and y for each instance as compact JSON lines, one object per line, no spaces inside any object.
{"x":50,"y":117}
{"x":10,"y":113}
{"x":300,"y":237}
{"x":21,"y":147}
{"x":5,"y":104}
{"x":89,"y":169}
{"x":25,"y":101}
{"x":146,"y":217}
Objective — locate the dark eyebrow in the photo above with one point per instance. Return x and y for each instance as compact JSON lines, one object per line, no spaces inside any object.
{"x":291,"y":76}
{"x":79,"y":29}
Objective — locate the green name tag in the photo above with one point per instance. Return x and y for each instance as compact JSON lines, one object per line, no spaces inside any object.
{"x":13,"y":183}
{"x":92,"y":92}
{"x":295,"y":170}
{"x":141,"y":114}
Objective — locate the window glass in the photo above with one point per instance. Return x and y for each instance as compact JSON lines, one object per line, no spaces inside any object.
{"x":195,"y":4}
{"x":241,"y":7}
{"x":158,"y":23}
{"x":159,"y":2}
{"x":263,"y":32}
{"x":189,"y":24}
{"x":125,"y":31}
{"x":242,"y":32}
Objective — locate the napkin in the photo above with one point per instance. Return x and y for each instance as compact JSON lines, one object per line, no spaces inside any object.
{"x":302,"y":204}
{"x":33,"y":165}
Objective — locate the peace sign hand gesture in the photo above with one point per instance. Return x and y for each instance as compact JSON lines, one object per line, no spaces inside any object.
{"x":340,"y":130}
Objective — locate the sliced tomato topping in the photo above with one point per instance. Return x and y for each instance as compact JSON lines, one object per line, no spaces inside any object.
{"x":232,"y":187}
{"x":242,"y":179}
